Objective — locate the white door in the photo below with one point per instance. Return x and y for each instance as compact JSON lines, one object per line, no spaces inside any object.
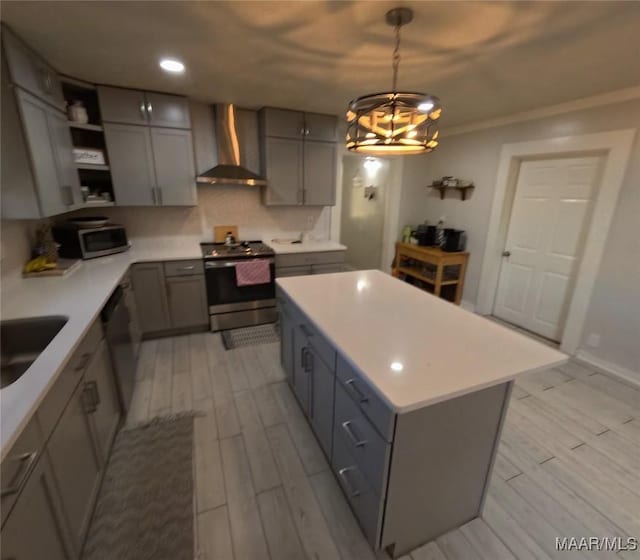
{"x":549,"y":222}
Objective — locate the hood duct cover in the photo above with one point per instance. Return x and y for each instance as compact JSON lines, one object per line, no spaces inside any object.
{"x":229,"y":170}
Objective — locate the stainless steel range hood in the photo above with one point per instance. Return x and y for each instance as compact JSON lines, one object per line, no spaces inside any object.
{"x":230,"y":169}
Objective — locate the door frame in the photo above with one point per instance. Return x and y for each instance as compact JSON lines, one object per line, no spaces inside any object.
{"x":615,"y":146}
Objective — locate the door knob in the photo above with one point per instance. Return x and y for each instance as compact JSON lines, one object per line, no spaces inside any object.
{"x":506,"y":253}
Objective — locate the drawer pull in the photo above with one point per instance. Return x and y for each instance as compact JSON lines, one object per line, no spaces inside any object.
{"x":84,"y":360}
{"x":362,"y":398}
{"x":346,"y":426}
{"x":26,"y":461}
{"x":343,"y":475}
{"x":305,"y":330}
{"x":91,"y":397}
{"x":191,"y":267}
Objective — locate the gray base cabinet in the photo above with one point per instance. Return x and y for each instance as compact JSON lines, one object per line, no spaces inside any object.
{"x":101,"y":398}
{"x":407,"y":477}
{"x":76,"y":464}
{"x":302,"y":264}
{"x":52,"y":474}
{"x":35,"y":529}
{"x":170,"y":296}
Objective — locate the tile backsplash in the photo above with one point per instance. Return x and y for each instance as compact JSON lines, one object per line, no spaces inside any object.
{"x":217,"y":205}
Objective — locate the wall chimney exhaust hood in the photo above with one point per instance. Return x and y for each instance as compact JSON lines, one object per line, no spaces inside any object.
{"x":230,"y":169}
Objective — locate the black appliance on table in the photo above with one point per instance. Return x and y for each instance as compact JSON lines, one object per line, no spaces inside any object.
{"x":232,"y":306}
{"x":454,"y":240}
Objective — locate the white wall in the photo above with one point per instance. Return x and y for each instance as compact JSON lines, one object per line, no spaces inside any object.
{"x":614,"y":312}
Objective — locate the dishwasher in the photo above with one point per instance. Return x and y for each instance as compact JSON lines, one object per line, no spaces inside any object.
{"x":115,"y":317}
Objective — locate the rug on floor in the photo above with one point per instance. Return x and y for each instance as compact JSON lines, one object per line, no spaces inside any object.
{"x":145,"y":507}
{"x":250,"y":336}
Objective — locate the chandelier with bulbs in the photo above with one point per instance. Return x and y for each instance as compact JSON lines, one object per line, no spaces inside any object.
{"x":391,"y":123}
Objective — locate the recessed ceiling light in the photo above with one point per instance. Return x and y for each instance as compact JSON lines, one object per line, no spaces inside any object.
{"x":172,"y":65}
{"x":397,"y":366}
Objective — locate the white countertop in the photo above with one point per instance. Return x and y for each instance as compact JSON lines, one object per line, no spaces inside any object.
{"x":79,"y":296}
{"x":444,"y":351}
{"x":306,"y":247}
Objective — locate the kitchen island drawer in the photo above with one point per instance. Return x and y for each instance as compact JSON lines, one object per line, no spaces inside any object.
{"x":374,"y":408}
{"x":366,"y":505}
{"x":302,"y":259}
{"x":367,"y":447}
{"x":183,"y":268}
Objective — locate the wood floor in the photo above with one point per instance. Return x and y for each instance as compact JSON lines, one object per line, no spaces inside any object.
{"x":568,"y":466}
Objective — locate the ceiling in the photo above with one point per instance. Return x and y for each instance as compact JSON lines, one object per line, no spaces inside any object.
{"x":483,"y":59}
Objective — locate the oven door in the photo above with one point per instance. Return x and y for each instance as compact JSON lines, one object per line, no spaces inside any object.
{"x":223,"y":293}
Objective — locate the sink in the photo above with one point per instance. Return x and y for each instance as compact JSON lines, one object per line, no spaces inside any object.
{"x":22,"y":341}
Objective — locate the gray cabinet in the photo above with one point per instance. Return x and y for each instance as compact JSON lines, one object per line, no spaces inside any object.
{"x":319,"y":173}
{"x":36,"y":528}
{"x":101,"y":400}
{"x":298,"y":157}
{"x":76,"y":465}
{"x":284,"y":169}
{"x":301,"y":264}
{"x":121,"y":105}
{"x":300,"y":368}
{"x":39,"y":176}
{"x":174,"y":166}
{"x":31,"y":72}
{"x":321,"y":398}
{"x":131,"y":106}
{"x":170,"y":296}
{"x":151,"y":166}
{"x":132,"y":166}
{"x":286,"y":348}
{"x":187,"y":301}
{"x":151,"y":297}
{"x":169,"y":111}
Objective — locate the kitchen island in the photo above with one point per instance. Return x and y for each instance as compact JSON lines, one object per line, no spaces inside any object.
{"x":406,"y":394}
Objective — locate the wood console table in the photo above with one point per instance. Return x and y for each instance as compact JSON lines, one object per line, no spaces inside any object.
{"x":432,"y":268}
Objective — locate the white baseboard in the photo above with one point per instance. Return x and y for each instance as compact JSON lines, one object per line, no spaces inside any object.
{"x":623,"y":373}
{"x":468,"y":305}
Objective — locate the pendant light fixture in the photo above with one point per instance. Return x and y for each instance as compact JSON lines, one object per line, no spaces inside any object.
{"x":394,"y":123}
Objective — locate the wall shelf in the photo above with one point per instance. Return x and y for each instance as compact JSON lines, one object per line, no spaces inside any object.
{"x":93,"y":127}
{"x":462,"y":189}
{"x":92,"y":167}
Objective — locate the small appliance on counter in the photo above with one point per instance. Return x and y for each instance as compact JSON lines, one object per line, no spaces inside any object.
{"x":90,"y":237}
{"x":455,"y":240}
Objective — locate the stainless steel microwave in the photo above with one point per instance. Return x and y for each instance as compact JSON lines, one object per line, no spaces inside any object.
{"x":88,"y":243}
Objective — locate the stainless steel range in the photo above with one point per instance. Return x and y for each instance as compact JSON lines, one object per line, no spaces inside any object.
{"x":232,"y":306}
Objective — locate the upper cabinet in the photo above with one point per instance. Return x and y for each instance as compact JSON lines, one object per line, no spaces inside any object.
{"x":299,"y":155}
{"x":31,"y":72}
{"x":39,"y":177}
{"x":130,"y":106}
{"x":150,"y":147}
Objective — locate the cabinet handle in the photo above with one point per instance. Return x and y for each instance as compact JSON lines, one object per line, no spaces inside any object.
{"x":343,"y":475}
{"x":68,"y":195}
{"x":149,"y":108}
{"x":302,"y":131}
{"x":305,"y":330}
{"x":83,"y":362}
{"x":306,"y":132}
{"x":26,"y":461}
{"x":302,"y":358}
{"x":346,"y":426}
{"x":90,"y":397}
{"x":362,"y":398}
{"x":311,"y":383}
{"x":187,"y":267}
{"x":143,"y":112}
{"x":46,"y":80}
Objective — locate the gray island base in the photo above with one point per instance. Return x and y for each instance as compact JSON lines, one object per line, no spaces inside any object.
{"x":412,"y":456}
